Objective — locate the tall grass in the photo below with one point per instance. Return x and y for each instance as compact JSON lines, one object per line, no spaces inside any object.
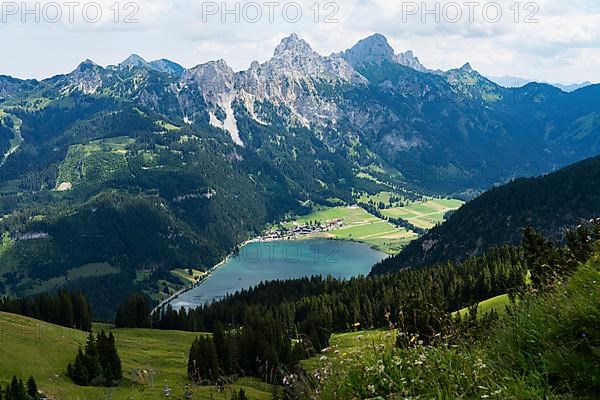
{"x":546,"y":347}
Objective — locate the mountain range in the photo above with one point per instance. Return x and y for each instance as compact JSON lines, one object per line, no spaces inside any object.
{"x":143,"y":167}
{"x":443,"y":130}
{"x":514,"y":82}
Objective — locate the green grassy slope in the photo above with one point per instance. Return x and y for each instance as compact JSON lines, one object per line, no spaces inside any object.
{"x":497,"y":304}
{"x":31,"y":347}
{"x":547,"y":349}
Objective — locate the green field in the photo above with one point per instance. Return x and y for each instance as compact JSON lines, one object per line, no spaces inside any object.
{"x":185,"y":277}
{"x":168,"y":126}
{"x":497,"y":303}
{"x":85,"y":271}
{"x":381,"y":197}
{"x":96,"y":161}
{"x":425,"y":214}
{"x":360,"y":226}
{"x":350,"y":216}
{"x":44,"y":350}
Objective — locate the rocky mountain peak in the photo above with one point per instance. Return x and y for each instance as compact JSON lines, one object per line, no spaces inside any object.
{"x":167,"y":66}
{"x":374,"y":49}
{"x":86,"y":77}
{"x":134,"y":61}
{"x":408,"y":59}
{"x":467,"y":68}
{"x":162,"y":65}
{"x":86,"y":65}
{"x":294,"y":45}
{"x":214,"y":76}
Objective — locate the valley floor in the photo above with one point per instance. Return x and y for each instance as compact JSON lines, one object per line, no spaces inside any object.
{"x":354,"y":223}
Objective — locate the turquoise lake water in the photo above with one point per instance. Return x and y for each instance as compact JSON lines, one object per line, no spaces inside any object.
{"x":268,"y":261}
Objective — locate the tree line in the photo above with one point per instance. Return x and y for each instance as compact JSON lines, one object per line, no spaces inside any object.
{"x":262,"y":348}
{"x":134,"y":312}
{"x":68,"y":308}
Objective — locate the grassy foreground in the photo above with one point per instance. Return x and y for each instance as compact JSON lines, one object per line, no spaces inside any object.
{"x":149,"y":357}
{"x":546,"y":348}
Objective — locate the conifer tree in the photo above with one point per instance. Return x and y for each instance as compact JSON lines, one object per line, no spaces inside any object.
{"x":99,"y":362}
{"x":32,"y":389}
{"x":66,"y":309}
{"x":113,"y":359}
{"x":16,"y":390}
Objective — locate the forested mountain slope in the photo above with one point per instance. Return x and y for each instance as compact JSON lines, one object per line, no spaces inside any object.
{"x":549,"y":203}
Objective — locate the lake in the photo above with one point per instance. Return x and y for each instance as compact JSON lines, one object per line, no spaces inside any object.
{"x":279,"y":260}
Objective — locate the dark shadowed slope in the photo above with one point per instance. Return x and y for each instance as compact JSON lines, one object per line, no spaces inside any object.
{"x":549,"y":203}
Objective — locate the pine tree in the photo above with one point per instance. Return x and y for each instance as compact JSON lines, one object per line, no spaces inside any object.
{"x":80,"y":374}
{"x":32,"y":389}
{"x":91,"y":361}
{"x":104,"y":357}
{"x":114,"y":360}
{"x":222,"y":347}
{"x":212,"y":360}
{"x":81,"y":312}
{"x":66,"y":309}
{"x":16,"y":390}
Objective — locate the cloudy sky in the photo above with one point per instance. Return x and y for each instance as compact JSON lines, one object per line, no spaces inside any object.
{"x":545,"y":40}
